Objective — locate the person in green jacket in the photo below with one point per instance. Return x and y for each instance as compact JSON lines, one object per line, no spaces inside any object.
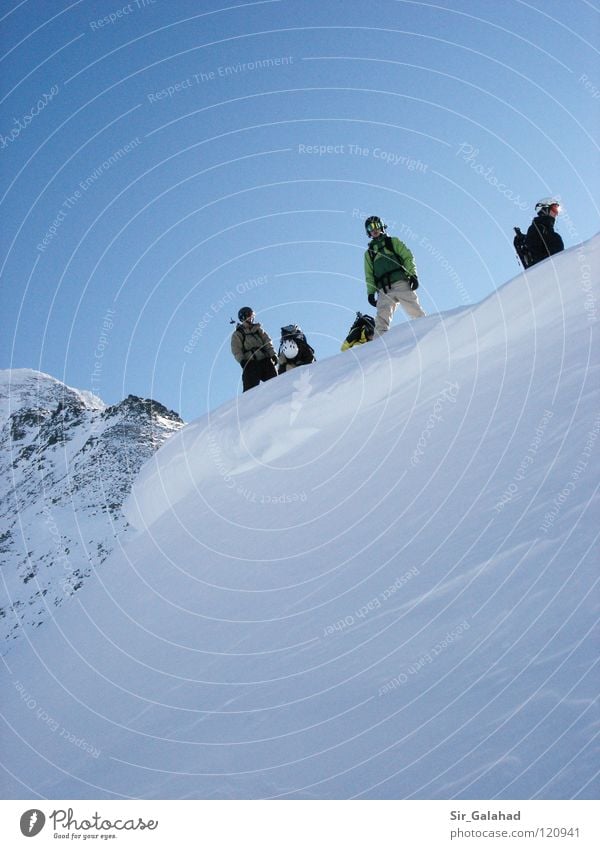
{"x":391,"y":276}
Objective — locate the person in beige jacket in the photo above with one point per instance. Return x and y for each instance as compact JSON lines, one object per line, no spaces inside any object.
{"x":253,"y":349}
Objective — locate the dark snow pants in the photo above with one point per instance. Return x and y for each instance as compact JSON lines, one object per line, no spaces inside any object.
{"x":255,"y":371}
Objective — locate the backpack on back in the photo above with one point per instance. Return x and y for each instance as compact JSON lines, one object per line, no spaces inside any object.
{"x":293,"y":347}
{"x":292,"y":331}
{"x":523,"y":251}
{"x":361,"y":331}
{"x":398,"y":265}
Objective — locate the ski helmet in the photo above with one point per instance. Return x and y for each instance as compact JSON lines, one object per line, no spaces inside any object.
{"x":546,"y":204}
{"x":289,"y":349}
{"x":245,"y":313}
{"x":374,"y":222}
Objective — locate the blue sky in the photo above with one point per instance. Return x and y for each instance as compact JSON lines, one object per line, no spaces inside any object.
{"x":165,"y":163}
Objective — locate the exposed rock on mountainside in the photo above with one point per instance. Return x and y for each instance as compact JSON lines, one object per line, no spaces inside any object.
{"x":67,"y":462}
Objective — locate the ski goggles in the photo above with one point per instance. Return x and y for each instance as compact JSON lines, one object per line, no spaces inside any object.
{"x":372,"y":226}
{"x":553,"y":208}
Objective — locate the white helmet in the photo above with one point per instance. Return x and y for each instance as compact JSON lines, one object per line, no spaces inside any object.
{"x":546,"y":203}
{"x":289,"y":349}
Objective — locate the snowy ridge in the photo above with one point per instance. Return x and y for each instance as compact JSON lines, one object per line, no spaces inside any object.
{"x":234,"y":439}
{"x":372,"y":578}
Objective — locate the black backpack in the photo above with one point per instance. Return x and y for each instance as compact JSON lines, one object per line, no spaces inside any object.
{"x":292,"y":331}
{"x":306,"y":353}
{"x":523,"y":251}
{"x":366,"y":321}
{"x":389,"y":245}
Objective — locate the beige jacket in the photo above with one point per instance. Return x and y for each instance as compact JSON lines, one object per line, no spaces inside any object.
{"x":251,"y":342}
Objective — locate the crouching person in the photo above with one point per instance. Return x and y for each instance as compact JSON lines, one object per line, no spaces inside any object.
{"x":294,"y":350}
{"x":253,"y":349}
{"x":361,"y":331}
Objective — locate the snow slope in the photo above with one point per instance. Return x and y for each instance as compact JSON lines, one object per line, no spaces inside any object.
{"x":371,"y":578}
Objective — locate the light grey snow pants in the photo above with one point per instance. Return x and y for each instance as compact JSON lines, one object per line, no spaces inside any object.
{"x":399,"y":293}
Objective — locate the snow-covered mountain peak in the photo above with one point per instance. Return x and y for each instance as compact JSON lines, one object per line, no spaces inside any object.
{"x":28,"y":389}
{"x":67,"y":462}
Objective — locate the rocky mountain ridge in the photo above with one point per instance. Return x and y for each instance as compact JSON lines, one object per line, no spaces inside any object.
{"x":67,"y":462}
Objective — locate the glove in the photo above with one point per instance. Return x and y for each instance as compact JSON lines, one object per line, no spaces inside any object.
{"x":413,"y":281}
{"x":372,"y":299}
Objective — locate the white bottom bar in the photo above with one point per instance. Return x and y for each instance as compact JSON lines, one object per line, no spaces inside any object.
{"x":302,"y":824}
